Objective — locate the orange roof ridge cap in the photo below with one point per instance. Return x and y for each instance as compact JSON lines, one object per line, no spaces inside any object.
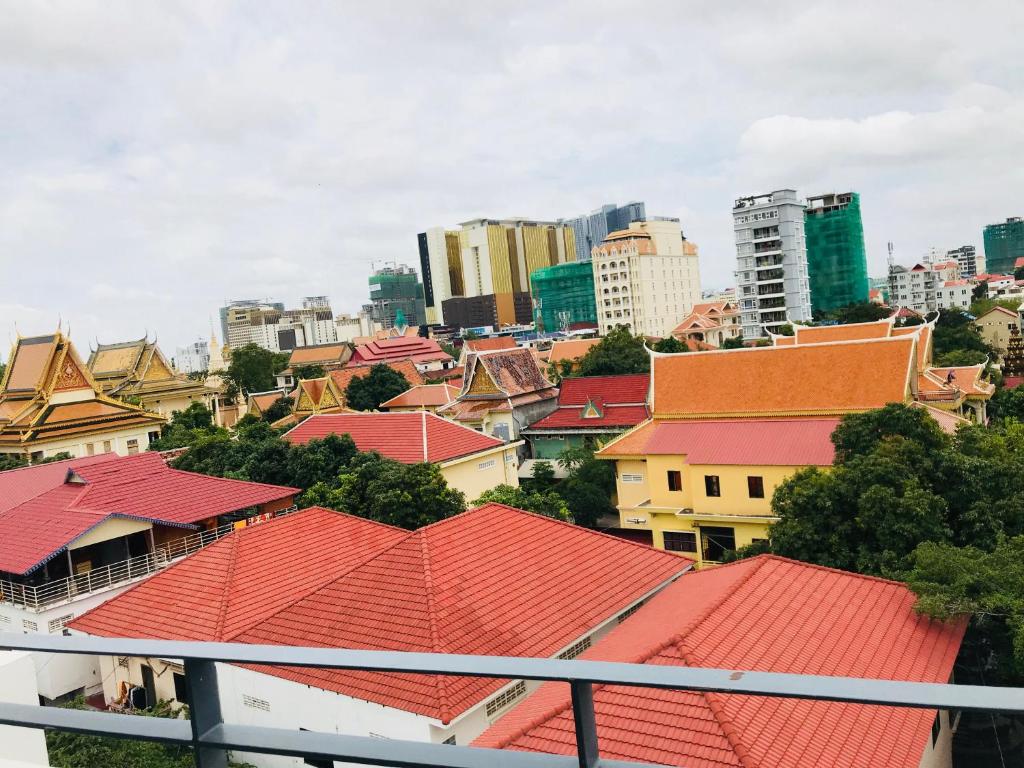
{"x":226,"y":592}
{"x":826,"y":568}
{"x":630,"y":431}
{"x":443,"y":705}
{"x":729,"y":728}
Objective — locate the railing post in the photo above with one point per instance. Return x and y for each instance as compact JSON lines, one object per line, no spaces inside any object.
{"x":585,"y":723}
{"x":204,"y":711}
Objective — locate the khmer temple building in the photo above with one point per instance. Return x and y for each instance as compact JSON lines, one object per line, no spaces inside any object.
{"x":139,"y":372}
{"x":51,"y":403}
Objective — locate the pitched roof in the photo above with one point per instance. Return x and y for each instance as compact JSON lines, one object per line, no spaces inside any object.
{"x":260,"y":401}
{"x":1000,"y":310}
{"x":570,"y":349}
{"x":806,"y":334}
{"x":414,"y":348}
{"x":342,"y":377}
{"x":489,"y":345}
{"x":967,"y":378}
{"x":765,"y":614}
{"x":423,"y":395}
{"x":802,"y":379}
{"x":91,"y":491}
{"x":408,"y":437}
{"x":493,"y":580}
{"x":758,"y":442}
{"x":139,"y":368}
{"x":243,"y":578}
{"x":599,"y":402}
{"x":512,"y":371}
{"x":319,"y":354}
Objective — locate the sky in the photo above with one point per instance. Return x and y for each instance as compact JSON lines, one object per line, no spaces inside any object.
{"x":157,"y":158}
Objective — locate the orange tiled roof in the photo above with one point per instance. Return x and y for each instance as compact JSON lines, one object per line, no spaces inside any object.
{"x":806,"y":334}
{"x":805,"y":379}
{"x":488,"y":345}
{"x":321,"y":353}
{"x":405,"y":367}
{"x":570,"y":349}
{"x":423,"y":395}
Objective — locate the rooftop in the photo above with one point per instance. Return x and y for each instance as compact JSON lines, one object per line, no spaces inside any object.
{"x":141,"y":487}
{"x":597,"y":402}
{"x":320,"y":353}
{"x":493,"y":580}
{"x":570,"y":349}
{"x":765,"y":614}
{"x":413,"y":348}
{"x":408,"y":437}
{"x":422,"y":396}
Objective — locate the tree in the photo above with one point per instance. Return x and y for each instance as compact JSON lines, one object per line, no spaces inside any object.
{"x":405,"y":495}
{"x":588,"y":487}
{"x":861,"y":433}
{"x":59,"y":456}
{"x":958,"y":357}
{"x":185,"y":428}
{"x":859,"y":312}
{"x":1007,"y":404}
{"x":618,"y":352}
{"x":955,"y":331}
{"x":366,"y":393}
{"x":785,"y":330}
{"x":320,"y":460}
{"x":670,"y":344}
{"x":733,"y":342}
{"x":547,"y":503}
{"x":278,"y":409}
{"x":543,"y":474}
{"x":308,"y":372}
{"x":252,"y":368}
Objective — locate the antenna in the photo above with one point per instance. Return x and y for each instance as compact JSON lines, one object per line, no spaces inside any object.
{"x":892,"y":260}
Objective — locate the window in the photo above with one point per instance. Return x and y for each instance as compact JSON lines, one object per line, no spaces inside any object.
{"x":680,"y":541}
{"x":255,"y":703}
{"x":715,"y":542}
{"x":154,"y":436}
{"x":450,"y":740}
{"x":57,"y":625}
{"x":106,"y":446}
{"x":712,"y":486}
{"x":675,"y":480}
{"x":29,"y":626}
{"x":180,"y":689}
{"x":631,"y":478}
{"x":133,"y":446}
{"x":90,"y":449}
{"x":505,"y":698}
{"x":755,"y":486}
{"x":485,"y":464}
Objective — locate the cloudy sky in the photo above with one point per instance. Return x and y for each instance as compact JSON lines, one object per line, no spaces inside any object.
{"x":159,"y":157}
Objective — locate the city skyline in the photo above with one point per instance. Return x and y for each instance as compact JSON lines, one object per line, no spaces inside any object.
{"x":192,"y":152}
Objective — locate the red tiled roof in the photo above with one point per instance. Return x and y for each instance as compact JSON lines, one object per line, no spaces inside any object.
{"x":243,"y":578}
{"x":494,"y":580}
{"x":413,"y":348}
{"x":141,"y":486}
{"x":621,"y":401}
{"x":400,"y":436}
{"x":758,"y":442}
{"x":766,"y":614}
{"x":423,"y":395}
{"x":20,"y":485}
{"x":343,"y":377}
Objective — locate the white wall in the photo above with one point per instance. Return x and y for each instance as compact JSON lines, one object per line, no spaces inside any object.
{"x":18,"y":686}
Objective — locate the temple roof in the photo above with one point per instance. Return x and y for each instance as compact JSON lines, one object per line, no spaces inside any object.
{"x":138,"y":368}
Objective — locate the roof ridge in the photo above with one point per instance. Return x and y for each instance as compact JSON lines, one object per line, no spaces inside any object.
{"x":226,"y":592}
{"x":731,"y":732}
{"x":443,"y":705}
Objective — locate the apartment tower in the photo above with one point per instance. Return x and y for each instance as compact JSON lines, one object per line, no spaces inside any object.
{"x":837,"y":265}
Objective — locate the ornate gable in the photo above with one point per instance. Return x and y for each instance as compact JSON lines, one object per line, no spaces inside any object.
{"x":70,"y":376}
{"x":328,"y":400}
{"x":158,"y":369}
{"x":482,"y":382}
{"x":305,"y":403}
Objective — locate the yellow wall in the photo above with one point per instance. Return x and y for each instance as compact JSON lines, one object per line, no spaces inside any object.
{"x":467,"y":476}
{"x":498,"y":251}
{"x":650,"y":505}
{"x":113,"y":528}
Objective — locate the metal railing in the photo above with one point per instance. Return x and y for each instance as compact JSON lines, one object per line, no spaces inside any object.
{"x":41,"y":596}
{"x":211,"y":738}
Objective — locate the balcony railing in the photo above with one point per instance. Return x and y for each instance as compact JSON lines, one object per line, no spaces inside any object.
{"x":42,"y":596}
{"x":940,"y":396}
{"x":211,"y":738}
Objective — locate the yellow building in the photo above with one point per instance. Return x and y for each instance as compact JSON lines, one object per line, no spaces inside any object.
{"x":137,"y":371}
{"x":50,"y":403}
{"x":728,"y":426}
{"x":469,"y":461}
{"x":994,"y":327}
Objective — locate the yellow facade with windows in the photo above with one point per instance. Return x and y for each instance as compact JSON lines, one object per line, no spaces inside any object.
{"x":648,"y":501}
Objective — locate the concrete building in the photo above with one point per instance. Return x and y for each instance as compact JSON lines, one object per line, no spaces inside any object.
{"x":1004,"y":244}
{"x":272,"y":327}
{"x":968,"y":260}
{"x":710,"y":322}
{"x":396,"y":296}
{"x":590,"y":230}
{"x":645,"y":278}
{"x":772,"y":281}
{"x":953,"y":293}
{"x":564,"y":295}
{"x":193,"y":358}
{"x":441,"y":267}
{"x":493,"y":310}
{"x":995,"y":327}
{"x":836,"y":260}
{"x":914,"y":288}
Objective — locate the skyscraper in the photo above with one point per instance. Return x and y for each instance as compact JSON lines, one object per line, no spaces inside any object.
{"x":968,"y":260}
{"x":836,"y":262}
{"x":772,"y":285}
{"x":591,"y":230}
{"x":564,"y":293}
{"x":1004,"y":244}
{"x":441,"y":268}
{"x":393,"y":290}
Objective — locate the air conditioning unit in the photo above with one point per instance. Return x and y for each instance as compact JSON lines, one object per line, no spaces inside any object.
{"x":636,"y":520}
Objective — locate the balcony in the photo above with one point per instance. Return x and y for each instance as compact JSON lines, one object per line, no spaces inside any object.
{"x":39,"y":597}
{"x":772,"y":289}
{"x":211,"y":738}
{"x":771,"y":274}
{"x":768,"y":261}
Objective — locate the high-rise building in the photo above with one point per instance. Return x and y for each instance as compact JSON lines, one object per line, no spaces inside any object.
{"x":646,"y":278}
{"x":1004,"y":244}
{"x":564,"y":294}
{"x":837,"y":265}
{"x":272,"y":327}
{"x":968,"y":260}
{"x":590,"y":230}
{"x":773,"y":287}
{"x":395,"y":290}
{"x":441,"y":267}
{"x":193,"y":358}
{"x":914,"y":288}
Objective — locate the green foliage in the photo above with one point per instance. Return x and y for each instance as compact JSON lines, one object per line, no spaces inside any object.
{"x":859,"y":312}
{"x":543,"y":474}
{"x":59,"y":456}
{"x":405,"y":495}
{"x":547,"y":503}
{"x":981,"y":304}
{"x":958,"y":357}
{"x":308,"y":372}
{"x":366,"y":393}
{"x":449,"y":349}
{"x":1007,"y":404}
{"x":734,"y":342}
{"x":670,"y":344}
{"x":618,"y":352}
{"x":185,"y":428}
{"x":955,"y":331}
{"x":785,"y":330}
{"x":252,"y":368}
{"x":860,"y":433}
{"x":589,"y":487}
{"x":278,"y":409}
